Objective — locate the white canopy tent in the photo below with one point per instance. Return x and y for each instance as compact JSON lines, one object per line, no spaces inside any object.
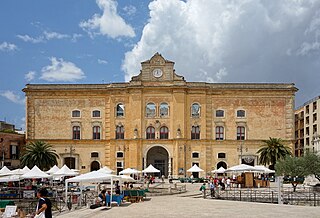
{"x":242,"y":168}
{"x":35,"y":173}
{"x":65,"y":171}
{"x":126,"y":178}
{"x":264,"y":169}
{"x":12,"y":178}
{"x":105,"y":169}
{"x":220,"y":170}
{"x":19,"y":171}
{"x":53,"y":170}
{"x":151,"y":169}
{"x":129,"y":171}
{"x":195,"y":169}
{"x":4,"y":171}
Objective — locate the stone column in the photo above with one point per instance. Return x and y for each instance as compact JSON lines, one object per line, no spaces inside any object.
{"x":169,"y":166}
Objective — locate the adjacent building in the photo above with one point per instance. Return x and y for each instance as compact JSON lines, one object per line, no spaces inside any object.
{"x":307,"y":127}
{"x":159,"y":118}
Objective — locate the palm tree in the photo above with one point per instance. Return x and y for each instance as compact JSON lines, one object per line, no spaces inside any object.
{"x":273,"y":150}
{"x":39,"y":153}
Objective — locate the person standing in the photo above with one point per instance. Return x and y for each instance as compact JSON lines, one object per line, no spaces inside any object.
{"x":44,"y":204}
{"x":212,"y":191}
{"x":203,"y":190}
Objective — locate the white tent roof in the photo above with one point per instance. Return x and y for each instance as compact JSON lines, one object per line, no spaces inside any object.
{"x":129,"y":171}
{"x":242,"y":168}
{"x":220,"y":170}
{"x":11,"y":178}
{"x":126,"y":178}
{"x":4,"y":171}
{"x":53,"y":169}
{"x":35,"y":173}
{"x":151,"y":169}
{"x":195,"y":169}
{"x":264,"y":169}
{"x":65,"y":171}
{"x":105,"y":169}
{"x":93,"y":176}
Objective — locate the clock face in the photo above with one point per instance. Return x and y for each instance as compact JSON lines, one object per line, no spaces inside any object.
{"x":157,"y":72}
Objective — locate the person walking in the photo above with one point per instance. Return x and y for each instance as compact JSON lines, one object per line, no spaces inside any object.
{"x":44,"y":205}
{"x":203,"y":190}
{"x":212,"y":191}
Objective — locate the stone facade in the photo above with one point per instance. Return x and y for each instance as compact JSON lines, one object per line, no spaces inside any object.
{"x":210,"y":110}
{"x":11,"y":145}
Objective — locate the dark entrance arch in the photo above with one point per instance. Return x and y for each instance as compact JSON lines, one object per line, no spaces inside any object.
{"x":222,"y":164}
{"x":94,"y":166}
{"x":158,"y":157}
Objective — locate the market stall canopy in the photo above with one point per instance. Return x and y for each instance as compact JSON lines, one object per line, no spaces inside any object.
{"x":195,"y":169}
{"x":4,"y":171}
{"x":35,"y":173}
{"x":242,"y":168}
{"x":65,"y":171}
{"x":105,"y":169}
{"x":129,"y":171}
{"x":126,"y":178}
{"x":151,"y":169}
{"x":53,"y":170}
{"x":12,"y":178}
{"x":93,"y":176}
{"x":264,"y":169}
{"x":19,"y":171}
{"x":220,"y":170}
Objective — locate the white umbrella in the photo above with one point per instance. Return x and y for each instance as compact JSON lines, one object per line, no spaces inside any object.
{"x":151,"y":169}
{"x":35,"y":173}
{"x":65,"y":171}
{"x":195,"y":169}
{"x":129,"y":171}
{"x":242,"y":168}
{"x":4,"y":171}
{"x":53,"y":170}
{"x":220,"y":170}
{"x":264,"y":169}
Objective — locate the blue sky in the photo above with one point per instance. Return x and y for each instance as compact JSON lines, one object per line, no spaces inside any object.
{"x":104,"y":41}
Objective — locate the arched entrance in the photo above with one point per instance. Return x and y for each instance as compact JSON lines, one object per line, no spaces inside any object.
{"x":158,"y":157}
{"x":222,"y":164}
{"x":95,"y":165}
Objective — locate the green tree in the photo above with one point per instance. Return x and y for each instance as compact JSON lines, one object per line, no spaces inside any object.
{"x":39,"y":153}
{"x":312,"y":164}
{"x":272,"y":151}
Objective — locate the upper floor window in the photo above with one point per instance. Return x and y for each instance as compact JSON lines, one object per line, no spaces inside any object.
{"x":120,"y":110}
{"x":119,"y":154}
{"x":164,"y":132}
{"x":96,"y":132}
{"x":76,"y":113}
{"x":195,"y":155}
{"x":151,"y":110}
{"x":195,"y":110}
{"x":150,"y":133}
{"x":14,"y":152}
{"x":95,"y":113}
{"x":76,"y":132}
{"x":219,"y":132}
{"x":221,"y":155}
{"x":195,"y":132}
{"x":94,"y":154}
{"x":241,"y":132}
{"x":119,"y":132}
{"x":219,"y":113}
{"x":241,"y":113}
{"x":164,"y":110}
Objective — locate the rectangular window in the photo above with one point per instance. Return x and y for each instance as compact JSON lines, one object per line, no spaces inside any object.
{"x":94,"y":154}
{"x":119,"y":154}
{"x":96,"y":132}
{"x":119,"y":164}
{"x":219,"y":133}
{"x":240,"y":133}
{"x":75,"y":113}
{"x":219,"y":113}
{"x":119,"y":132}
{"x":95,"y":113}
{"x":241,"y":113}
{"x":76,"y":132}
{"x":195,"y":132}
{"x":195,"y":155}
{"x":221,"y":155}
{"x":14,"y":152}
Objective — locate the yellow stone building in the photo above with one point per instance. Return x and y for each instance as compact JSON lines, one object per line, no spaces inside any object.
{"x":158,"y":118}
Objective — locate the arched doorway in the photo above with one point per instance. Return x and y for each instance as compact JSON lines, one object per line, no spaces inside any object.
{"x":158,"y":157}
{"x":222,"y":164}
{"x":95,"y":165}
{"x":70,"y":162}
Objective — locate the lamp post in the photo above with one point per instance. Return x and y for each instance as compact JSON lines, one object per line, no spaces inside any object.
{"x":71,"y":150}
{"x":240,"y":149}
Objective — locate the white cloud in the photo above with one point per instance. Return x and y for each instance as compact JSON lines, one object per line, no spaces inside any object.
{"x":130,"y":9}
{"x":54,"y":35}
{"x":101,"y":61}
{"x":61,"y":70}
{"x":109,"y":23}
{"x":47,"y":36}
{"x":5,"y":46}
{"x":233,"y":41}
{"x":75,"y":37}
{"x":11,"y":96}
{"x":28,"y":38}
{"x":30,"y":76}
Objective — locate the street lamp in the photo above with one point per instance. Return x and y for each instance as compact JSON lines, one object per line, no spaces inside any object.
{"x":71,"y":150}
{"x":240,"y":149}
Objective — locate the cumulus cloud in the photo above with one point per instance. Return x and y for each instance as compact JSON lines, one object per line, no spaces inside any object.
{"x":30,"y":76}
{"x":109,"y":23}
{"x":5,"y":46}
{"x":61,"y":70}
{"x":101,"y":61}
{"x":233,"y":41}
{"x":11,"y":96}
{"x":130,"y":9}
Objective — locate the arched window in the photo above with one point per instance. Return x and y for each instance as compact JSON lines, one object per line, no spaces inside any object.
{"x":150,"y":133}
{"x":151,"y":110}
{"x":241,"y":132}
{"x":120,"y":110}
{"x":76,"y":113}
{"x":195,"y":110}
{"x":96,"y":132}
{"x":76,"y":132}
{"x":241,"y":113}
{"x":164,"y":132}
{"x":164,"y":110}
{"x":195,"y":132}
{"x":95,"y":113}
{"x":119,"y":132}
{"x":219,"y":132}
{"x":219,"y":113}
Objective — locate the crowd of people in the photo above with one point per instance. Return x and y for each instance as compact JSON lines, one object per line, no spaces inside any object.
{"x":214,"y":183}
